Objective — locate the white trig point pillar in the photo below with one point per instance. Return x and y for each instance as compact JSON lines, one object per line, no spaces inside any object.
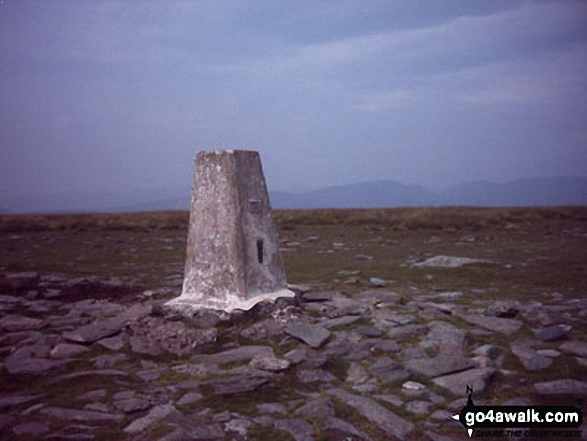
{"x":233,"y":259}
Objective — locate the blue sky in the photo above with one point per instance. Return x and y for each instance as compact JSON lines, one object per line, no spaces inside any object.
{"x":120,"y":95}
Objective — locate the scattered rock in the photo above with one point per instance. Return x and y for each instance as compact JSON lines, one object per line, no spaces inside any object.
{"x":502,"y":309}
{"x":155,"y":414}
{"x":235,"y":384}
{"x":441,"y":365}
{"x":34,"y":428}
{"x":300,"y":429}
{"x":62,"y":413}
{"x":14,"y":323}
{"x":384,"y":419}
{"x":387,"y":370}
{"x":96,"y":331}
{"x":456,"y":383}
{"x":240,"y":354}
{"x":313,"y":335}
{"x":269,"y":363}
{"x":448,"y":262}
{"x":504,"y":325}
{"x":575,"y":347}
{"x":377,"y":282}
{"x":562,"y":387}
{"x":551,"y":333}
{"x":66,"y":350}
{"x":530,"y":359}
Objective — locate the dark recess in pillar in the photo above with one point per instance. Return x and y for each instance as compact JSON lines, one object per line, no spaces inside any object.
{"x":260,"y":250}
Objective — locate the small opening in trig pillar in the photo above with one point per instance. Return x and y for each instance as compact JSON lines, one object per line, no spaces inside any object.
{"x":260,"y":250}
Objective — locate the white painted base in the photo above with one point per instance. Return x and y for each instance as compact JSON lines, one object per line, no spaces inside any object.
{"x":233,"y":301}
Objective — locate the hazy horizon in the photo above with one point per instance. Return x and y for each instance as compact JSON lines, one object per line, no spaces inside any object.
{"x":117,"y":96}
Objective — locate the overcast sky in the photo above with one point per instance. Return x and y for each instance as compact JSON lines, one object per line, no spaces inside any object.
{"x":120,"y":95}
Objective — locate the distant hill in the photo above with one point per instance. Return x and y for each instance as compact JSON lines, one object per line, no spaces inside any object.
{"x":363,"y":195}
{"x":519,"y":192}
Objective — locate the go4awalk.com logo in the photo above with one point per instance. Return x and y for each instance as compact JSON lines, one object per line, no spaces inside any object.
{"x":527,"y":421}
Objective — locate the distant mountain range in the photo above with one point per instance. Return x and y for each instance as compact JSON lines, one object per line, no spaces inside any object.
{"x":519,"y":192}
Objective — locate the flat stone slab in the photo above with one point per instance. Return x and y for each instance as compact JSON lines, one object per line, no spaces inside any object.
{"x":497,"y":324}
{"x":7,"y":402}
{"x":313,"y":335}
{"x":551,"y":333}
{"x":441,"y":365}
{"x":530,"y":359}
{"x":448,"y":262}
{"x":25,"y":365}
{"x":387,"y":370}
{"x":575,"y":347}
{"x":96,"y":331}
{"x":383,"y":418}
{"x":67,"y":350}
{"x":562,"y":387}
{"x":63,"y":413}
{"x":236,"y":355}
{"x":457,"y":383}
{"x":155,"y":414}
{"x":235,"y":384}
{"x":16,"y":322}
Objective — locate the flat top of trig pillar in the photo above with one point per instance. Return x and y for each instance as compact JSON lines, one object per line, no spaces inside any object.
{"x":222,"y":152}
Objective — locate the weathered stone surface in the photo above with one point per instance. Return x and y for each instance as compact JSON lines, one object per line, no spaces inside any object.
{"x":137,"y":311}
{"x":456,"y":383}
{"x":132,"y":404}
{"x":66,"y":350}
{"x":154,"y":335}
{"x":448,"y":262}
{"x":551,"y":333}
{"x":155,"y":414}
{"x":96,"y":331}
{"x":34,"y":428}
{"x":344,"y":430}
{"x":313,"y":335}
{"x":263,"y":330}
{"x":406,"y":332}
{"x":497,"y":324}
{"x":8,"y":402}
{"x":446,"y":339}
{"x":243,"y":353}
{"x":384,"y":419}
{"x":562,"y":387}
{"x":356,"y":374}
{"x":115,"y":343}
{"x":310,"y":358}
{"x":575,"y":347}
{"x":269,"y":363}
{"x":31,"y":365}
{"x":235,"y":384}
{"x":16,"y":322}
{"x":341,"y":306}
{"x":300,"y":429}
{"x":317,"y":296}
{"x":79,"y":415}
{"x":189,"y":398}
{"x":418,"y":407}
{"x":314,"y":375}
{"x":318,"y":408}
{"x":504,"y":309}
{"x":340,"y":321}
{"x":368,"y":331}
{"x":387,"y":370}
{"x":530,"y":359}
{"x":441,"y":365}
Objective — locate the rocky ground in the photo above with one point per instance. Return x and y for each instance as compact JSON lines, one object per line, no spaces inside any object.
{"x":100,"y":359}
{"x":389,"y":325}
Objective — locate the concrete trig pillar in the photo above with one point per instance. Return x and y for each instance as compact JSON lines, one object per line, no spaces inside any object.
{"x":233,"y":259}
